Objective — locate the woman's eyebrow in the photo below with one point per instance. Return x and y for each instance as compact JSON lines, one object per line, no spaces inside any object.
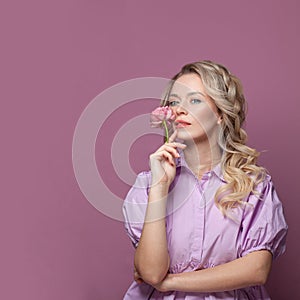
{"x":195,"y":93}
{"x":174,"y":95}
{"x":188,"y":94}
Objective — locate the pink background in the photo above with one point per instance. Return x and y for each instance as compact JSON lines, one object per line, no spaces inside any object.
{"x":56,"y":56}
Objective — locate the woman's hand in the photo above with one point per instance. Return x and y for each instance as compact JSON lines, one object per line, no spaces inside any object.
{"x":163,"y":286}
{"x":137,"y":277}
{"x":162,"y":161}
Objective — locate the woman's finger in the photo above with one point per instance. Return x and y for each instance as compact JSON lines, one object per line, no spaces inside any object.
{"x":170,"y":149}
{"x":173,"y":145}
{"x":137,"y":277}
{"x":165,"y":155}
{"x":168,"y":157}
{"x":173,"y":136}
{"x":176,"y":145}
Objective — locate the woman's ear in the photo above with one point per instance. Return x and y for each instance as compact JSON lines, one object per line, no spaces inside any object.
{"x":220,"y":119}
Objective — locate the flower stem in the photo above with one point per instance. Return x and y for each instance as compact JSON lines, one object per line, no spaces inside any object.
{"x":166,"y":130}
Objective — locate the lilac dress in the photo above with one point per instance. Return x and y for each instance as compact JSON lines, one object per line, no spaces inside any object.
{"x":199,"y":236}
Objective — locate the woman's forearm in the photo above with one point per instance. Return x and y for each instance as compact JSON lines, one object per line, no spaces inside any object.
{"x":151,"y":257}
{"x":251,"y":270}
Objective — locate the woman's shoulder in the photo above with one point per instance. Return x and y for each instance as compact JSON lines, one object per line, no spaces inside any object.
{"x":264,"y":177}
{"x":264,"y":180}
{"x":143,"y":178}
{"x":140,"y":188}
{"x":264,"y":191}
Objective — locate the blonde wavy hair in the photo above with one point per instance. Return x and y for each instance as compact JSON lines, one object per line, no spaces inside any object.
{"x":239,"y":162}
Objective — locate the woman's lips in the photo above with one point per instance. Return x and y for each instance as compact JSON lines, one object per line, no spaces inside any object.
{"x":181,"y":123}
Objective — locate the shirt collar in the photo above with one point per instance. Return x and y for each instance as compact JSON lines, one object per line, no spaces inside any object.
{"x":217,"y":170}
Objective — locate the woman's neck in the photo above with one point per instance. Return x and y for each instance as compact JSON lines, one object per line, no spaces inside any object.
{"x":202,"y":157}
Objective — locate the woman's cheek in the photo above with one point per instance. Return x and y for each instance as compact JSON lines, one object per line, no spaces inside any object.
{"x":207,"y":120}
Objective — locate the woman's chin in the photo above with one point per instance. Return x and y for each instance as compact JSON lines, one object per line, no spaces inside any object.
{"x":188,"y":138}
{"x":184,"y":136}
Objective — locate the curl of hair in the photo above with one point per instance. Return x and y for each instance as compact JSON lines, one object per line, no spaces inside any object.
{"x":239,"y":161}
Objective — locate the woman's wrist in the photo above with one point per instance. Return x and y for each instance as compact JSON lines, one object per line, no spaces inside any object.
{"x":161,"y":187}
{"x":168,"y":284}
{"x":157,"y":202}
{"x":171,"y":282}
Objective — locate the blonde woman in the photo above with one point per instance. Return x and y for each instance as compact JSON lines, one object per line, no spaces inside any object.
{"x":206,"y":220}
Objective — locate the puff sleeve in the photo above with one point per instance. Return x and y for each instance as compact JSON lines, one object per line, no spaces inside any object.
{"x":264,"y":226}
{"x":134,"y":207}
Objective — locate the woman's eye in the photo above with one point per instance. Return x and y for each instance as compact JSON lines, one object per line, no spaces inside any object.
{"x":195,"y":101}
{"x":173,"y":103}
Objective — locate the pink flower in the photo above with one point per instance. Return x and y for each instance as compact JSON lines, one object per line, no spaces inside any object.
{"x":162,"y":117}
{"x":161,"y":114}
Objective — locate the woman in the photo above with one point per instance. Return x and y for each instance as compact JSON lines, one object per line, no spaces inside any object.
{"x":206,"y":221}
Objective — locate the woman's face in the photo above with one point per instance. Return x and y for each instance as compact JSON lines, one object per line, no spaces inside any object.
{"x":197,"y":116}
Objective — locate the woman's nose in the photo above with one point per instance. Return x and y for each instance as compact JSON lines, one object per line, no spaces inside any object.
{"x":180,"y":110}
